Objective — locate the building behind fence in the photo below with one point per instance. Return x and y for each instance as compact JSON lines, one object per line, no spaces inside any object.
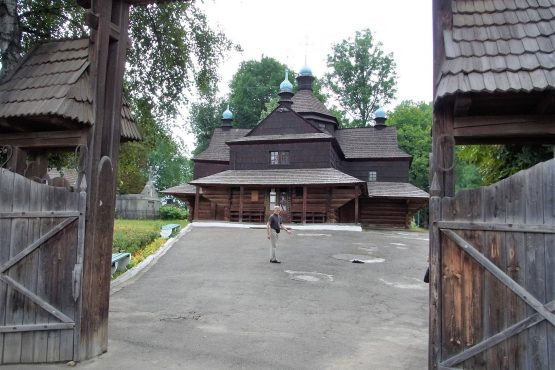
{"x":145,"y":205}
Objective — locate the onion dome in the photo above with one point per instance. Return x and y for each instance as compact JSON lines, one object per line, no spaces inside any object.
{"x":380,"y":113}
{"x":286,"y":86}
{"x":227,"y":114}
{"x":305,"y":71}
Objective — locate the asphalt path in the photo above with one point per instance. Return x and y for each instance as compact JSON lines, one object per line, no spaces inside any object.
{"x":214,"y":301}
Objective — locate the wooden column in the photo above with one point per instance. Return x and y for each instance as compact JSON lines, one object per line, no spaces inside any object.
{"x":197,"y":201}
{"x":241,"y":191}
{"x":443,"y":148}
{"x":227,"y":215}
{"x":356,"y":203}
{"x":18,"y":160}
{"x":305,"y":194}
{"x":109,"y":21}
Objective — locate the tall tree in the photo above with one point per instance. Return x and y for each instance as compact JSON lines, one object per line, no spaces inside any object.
{"x":361,"y":76}
{"x":413,"y":121}
{"x":253,"y":85}
{"x":204,"y":117}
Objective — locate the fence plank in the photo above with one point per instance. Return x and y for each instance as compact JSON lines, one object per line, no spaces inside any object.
{"x":435,"y":339}
{"x":549,"y":218}
{"x":30,"y":264}
{"x":6,"y":198}
{"x":15,"y":300}
{"x":535,"y":263}
{"x":516,"y":269}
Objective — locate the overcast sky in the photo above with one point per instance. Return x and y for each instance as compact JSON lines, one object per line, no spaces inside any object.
{"x":290,"y":30}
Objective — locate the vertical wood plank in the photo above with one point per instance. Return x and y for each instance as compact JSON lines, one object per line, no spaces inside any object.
{"x":549,"y":219}
{"x":68,"y":260}
{"x":241,"y":194}
{"x":435,"y":339}
{"x":7,"y":179}
{"x":44,"y":262}
{"x":495,"y":318}
{"x":535,"y":268}
{"x":305,"y":195}
{"x":356,"y":204}
{"x":79,"y":274}
{"x":30,"y":264}
{"x":197,"y":200}
{"x":15,"y":300}
{"x":516,"y":261}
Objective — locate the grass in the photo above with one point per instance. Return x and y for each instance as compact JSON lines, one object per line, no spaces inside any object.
{"x":141,"y":238}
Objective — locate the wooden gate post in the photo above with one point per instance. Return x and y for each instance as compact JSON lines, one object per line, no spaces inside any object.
{"x":109,"y":21}
{"x":434,"y":339}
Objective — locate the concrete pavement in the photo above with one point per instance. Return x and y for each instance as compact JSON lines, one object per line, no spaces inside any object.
{"x":214,"y":301}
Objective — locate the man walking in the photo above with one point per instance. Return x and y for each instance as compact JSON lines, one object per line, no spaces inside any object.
{"x":274,"y":225}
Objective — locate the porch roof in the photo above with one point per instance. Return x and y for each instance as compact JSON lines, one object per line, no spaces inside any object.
{"x":397,"y":190}
{"x":280,"y":177}
{"x":181,"y":189}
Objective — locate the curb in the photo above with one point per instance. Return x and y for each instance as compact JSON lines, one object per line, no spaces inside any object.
{"x":130,"y":275}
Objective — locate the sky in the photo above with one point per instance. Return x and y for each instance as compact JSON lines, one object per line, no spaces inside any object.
{"x":293,"y":31}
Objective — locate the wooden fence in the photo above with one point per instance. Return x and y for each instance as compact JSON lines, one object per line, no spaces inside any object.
{"x":492,"y":291}
{"x":41,"y":259}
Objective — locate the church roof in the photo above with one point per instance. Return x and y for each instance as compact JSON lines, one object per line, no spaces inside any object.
{"x":304,"y":101}
{"x":499,"y":46}
{"x":395,"y":190}
{"x":217,"y":148}
{"x":53,"y":80}
{"x":278,"y":177}
{"x":181,"y":189}
{"x":287,"y":137}
{"x":369,"y":142}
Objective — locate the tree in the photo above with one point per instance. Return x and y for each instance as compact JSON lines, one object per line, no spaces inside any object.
{"x":204,"y":117}
{"x":413,"y":121}
{"x":496,"y":162}
{"x":253,"y":86}
{"x":361,"y":77}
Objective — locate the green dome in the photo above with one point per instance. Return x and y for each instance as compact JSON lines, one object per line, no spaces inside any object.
{"x":305,"y":71}
{"x":286,"y":86}
{"x":227,"y":114}
{"x":379,"y":113}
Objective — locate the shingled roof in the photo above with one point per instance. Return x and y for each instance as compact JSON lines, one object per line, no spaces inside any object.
{"x":304,"y":101}
{"x":217,"y":149}
{"x":181,"y":189}
{"x":53,"y":80}
{"x":369,"y":142}
{"x":399,"y":190}
{"x":305,"y":176}
{"x":287,"y":137}
{"x":499,"y":46}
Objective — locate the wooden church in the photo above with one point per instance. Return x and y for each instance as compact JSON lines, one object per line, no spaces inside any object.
{"x":299,"y":158}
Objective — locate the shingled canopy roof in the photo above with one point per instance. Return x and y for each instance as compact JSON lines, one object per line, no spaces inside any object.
{"x":217,"y":149}
{"x":398,"y":190}
{"x":50,"y":89}
{"x":369,"y":142}
{"x":304,"y":101}
{"x":181,"y":189}
{"x":285,"y":177}
{"x":287,"y":137}
{"x":499,"y":46}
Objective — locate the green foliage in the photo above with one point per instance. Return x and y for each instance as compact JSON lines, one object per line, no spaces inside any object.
{"x":169,"y":212}
{"x":362,"y":77}
{"x":254,"y":85}
{"x":133,"y":235}
{"x":204,"y":117}
{"x":132,"y":168}
{"x":413,"y":121}
{"x":496,"y":162}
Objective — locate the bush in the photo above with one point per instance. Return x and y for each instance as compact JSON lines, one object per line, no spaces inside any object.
{"x":129,"y":239}
{"x":169,"y":212}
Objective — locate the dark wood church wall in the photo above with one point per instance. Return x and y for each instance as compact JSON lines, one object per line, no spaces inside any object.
{"x":383,"y":212}
{"x":203,"y":169}
{"x":301,"y":155}
{"x":396,"y":170}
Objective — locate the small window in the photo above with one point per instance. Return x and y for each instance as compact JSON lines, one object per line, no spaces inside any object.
{"x":279,"y":158}
{"x":254,"y":196}
{"x":372,"y":175}
{"x":272,"y":199}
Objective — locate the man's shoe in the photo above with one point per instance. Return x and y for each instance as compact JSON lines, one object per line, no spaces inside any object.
{"x":275,"y":261}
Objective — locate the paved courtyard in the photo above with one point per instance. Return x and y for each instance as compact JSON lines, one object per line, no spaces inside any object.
{"x":214,"y":301}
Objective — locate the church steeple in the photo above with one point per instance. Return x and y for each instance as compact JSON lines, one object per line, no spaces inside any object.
{"x":286,"y":92}
{"x":305,"y":78}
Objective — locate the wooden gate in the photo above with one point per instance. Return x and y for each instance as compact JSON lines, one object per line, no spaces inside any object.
{"x":41,"y":259}
{"x":492,"y":293}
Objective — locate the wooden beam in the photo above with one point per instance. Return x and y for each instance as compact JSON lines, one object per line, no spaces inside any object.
{"x":241,"y":191}
{"x":37,"y":327}
{"x":546,"y":104}
{"x":434,"y":337}
{"x":305,"y":194}
{"x":357,"y":192}
{"x":17,"y":161}
{"x":44,"y":139}
{"x":486,"y":226}
{"x":197,"y":201}
{"x":443,"y":148}
{"x":462,"y":105}
{"x":501,"y":276}
{"x":39,"y":214}
{"x":524,"y":122}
